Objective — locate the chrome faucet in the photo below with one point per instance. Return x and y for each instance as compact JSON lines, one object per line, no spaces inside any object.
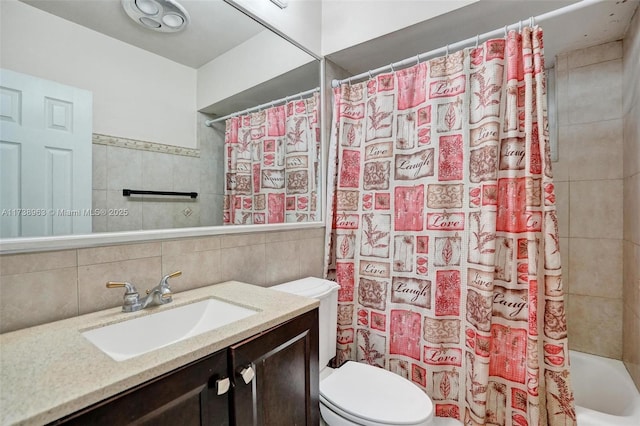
{"x":159,"y":295}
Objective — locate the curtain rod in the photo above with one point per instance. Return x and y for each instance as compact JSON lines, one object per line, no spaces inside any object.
{"x":470,"y":41}
{"x":266,"y":104}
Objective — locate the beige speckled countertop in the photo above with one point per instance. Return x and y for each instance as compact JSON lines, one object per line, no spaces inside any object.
{"x":50,"y":371}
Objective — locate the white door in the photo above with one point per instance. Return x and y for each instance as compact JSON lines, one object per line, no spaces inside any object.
{"x":45,"y":157}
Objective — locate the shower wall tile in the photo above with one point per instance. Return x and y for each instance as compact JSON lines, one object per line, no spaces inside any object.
{"x":631,"y":344}
{"x":99,"y":203}
{"x":185,"y":214}
{"x":565,"y":258}
{"x":595,"y":150}
{"x":595,"y":267}
{"x":157,"y":171}
{"x":32,"y":298}
{"x":185,"y":174}
{"x":562,"y":89}
{"x":99,"y":165}
{"x":562,"y":207}
{"x":157,"y":214}
{"x":596,"y":209}
{"x":124,"y":168}
{"x":631,"y":277}
{"x":631,"y":161}
{"x":632,"y":208}
{"x":631,"y":166}
{"x":595,"y":92}
{"x":132,"y":220}
{"x":595,"y":325}
{"x":589,"y":189}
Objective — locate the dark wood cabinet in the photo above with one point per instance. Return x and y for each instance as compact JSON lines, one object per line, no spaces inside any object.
{"x":276,"y":375}
{"x":186,"y":396}
{"x":273,"y":377}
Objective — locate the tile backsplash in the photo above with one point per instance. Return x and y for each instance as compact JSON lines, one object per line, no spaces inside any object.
{"x":37,"y":288}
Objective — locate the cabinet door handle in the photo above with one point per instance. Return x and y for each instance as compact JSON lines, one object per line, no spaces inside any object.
{"x":247,"y":374}
{"x":223,"y":385}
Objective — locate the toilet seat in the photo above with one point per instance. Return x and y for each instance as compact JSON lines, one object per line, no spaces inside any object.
{"x":371,"y":396}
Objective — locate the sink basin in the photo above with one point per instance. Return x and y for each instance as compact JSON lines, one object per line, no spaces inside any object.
{"x":130,"y":338}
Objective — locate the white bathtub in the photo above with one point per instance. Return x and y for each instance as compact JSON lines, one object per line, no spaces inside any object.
{"x":604,"y":393}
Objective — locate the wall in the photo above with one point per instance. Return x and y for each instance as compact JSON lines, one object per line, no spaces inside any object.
{"x":346,"y":23}
{"x":246,"y":66}
{"x":38,"y":288}
{"x":631,"y":174}
{"x":124,"y":79}
{"x":589,"y":189}
{"x":121,"y":163}
{"x":300,"y":20}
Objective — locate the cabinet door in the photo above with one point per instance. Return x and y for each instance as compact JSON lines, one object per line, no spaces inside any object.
{"x":284,"y":364}
{"x":186,"y":396}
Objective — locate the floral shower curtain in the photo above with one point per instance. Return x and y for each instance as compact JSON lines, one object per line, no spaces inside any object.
{"x":444,"y":235}
{"x":271,"y":164}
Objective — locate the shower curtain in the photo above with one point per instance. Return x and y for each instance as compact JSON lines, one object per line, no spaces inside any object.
{"x":444,"y":236}
{"x":271,"y":164}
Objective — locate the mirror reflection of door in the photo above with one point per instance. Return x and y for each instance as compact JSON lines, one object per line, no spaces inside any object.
{"x":45,"y":157}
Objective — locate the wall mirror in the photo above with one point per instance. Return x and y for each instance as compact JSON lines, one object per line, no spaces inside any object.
{"x":142,"y":98}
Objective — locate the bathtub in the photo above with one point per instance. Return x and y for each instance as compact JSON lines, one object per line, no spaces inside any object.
{"x":604,"y":393}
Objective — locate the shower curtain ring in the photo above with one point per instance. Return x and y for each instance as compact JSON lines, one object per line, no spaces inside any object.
{"x":418,"y":59}
{"x":370,"y":76}
{"x":391,"y":66}
{"x":446,"y":52}
{"x":519,"y":26}
{"x":477,"y":40}
{"x":532,"y":22}
{"x":506,"y":31}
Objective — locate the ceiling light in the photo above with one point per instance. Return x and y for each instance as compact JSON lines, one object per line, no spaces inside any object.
{"x":158,"y":15}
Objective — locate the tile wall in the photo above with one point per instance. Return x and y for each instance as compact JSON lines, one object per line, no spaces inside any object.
{"x":589,"y":194}
{"x":116,"y":167}
{"x":631,"y":188}
{"x":43,"y":287}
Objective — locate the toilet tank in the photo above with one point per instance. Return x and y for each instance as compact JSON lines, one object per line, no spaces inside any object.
{"x":327,"y":292}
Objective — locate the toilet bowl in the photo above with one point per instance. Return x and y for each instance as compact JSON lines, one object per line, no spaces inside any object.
{"x":357,"y":393}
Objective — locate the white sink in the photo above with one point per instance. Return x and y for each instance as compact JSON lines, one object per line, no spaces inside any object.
{"x":130,"y":338}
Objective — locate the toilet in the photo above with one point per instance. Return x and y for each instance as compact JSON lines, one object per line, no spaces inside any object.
{"x":357,"y":393}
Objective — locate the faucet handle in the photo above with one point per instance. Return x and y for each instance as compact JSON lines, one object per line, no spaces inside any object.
{"x":173,"y":274}
{"x":130,"y":288}
{"x":131,"y":297}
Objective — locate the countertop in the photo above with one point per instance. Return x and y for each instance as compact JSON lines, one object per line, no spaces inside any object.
{"x":51,"y":370}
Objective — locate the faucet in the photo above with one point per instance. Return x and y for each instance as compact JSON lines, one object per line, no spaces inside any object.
{"x":159,"y":295}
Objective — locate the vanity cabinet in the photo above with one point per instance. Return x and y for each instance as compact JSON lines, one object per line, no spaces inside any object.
{"x":186,"y":396}
{"x":274,"y":380}
{"x":276,"y":375}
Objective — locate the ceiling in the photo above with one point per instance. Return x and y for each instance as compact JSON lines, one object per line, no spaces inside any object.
{"x":215,"y":27}
{"x":598,"y":23}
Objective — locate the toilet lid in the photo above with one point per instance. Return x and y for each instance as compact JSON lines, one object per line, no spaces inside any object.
{"x":375,"y":395}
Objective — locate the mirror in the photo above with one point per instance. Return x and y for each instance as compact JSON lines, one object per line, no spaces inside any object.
{"x":150,"y":95}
